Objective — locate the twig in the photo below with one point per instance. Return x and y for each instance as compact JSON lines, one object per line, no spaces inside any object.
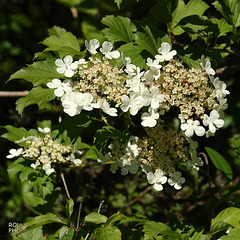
{"x":79,"y":213}
{"x":141,"y":194}
{"x":65,"y":186}
{"x":13,"y":93}
{"x":100,"y":206}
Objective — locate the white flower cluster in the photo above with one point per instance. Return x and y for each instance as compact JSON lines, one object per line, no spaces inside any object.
{"x":214,"y":120}
{"x":45,"y":151}
{"x":73,"y":101}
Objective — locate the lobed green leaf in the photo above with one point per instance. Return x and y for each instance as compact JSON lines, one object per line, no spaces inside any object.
{"x":95,"y":218}
{"x":120,"y":28}
{"x":108,"y":232}
{"x":40,"y":72}
{"x":37,"y":96}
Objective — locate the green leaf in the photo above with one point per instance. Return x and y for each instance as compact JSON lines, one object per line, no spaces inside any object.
{"x":193,"y":7}
{"x":230,"y":9}
{"x":234,"y":234}
{"x":220,"y":162}
{"x":37,"y":96}
{"x":95,"y":218}
{"x":92,"y":153}
{"x":152,"y":229}
{"x":38,"y":73}
{"x":66,"y":233}
{"x":40,"y":221}
{"x":136,"y":54}
{"x":222,"y":27}
{"x":36,"y":234}
{"x":65,"y":43}
{"x":120,"y":28}
{"x":121,"y":218}
{"x":219,"y":226}
{"x":15,"y":134}
{"x":226,"y":218}
{"x":198,"y":236}
{"x":108,"y":232}
{"x":31,"y":199}
{"x":69,"y":207}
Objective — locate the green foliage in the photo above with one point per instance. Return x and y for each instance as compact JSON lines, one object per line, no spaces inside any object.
{"x":62,"y":42}
{"x":230,"y":9}
{"x":38,"y":96}
{"x":38,"y":73}
{"x":120,"y":28}
{"x":220,"y":162}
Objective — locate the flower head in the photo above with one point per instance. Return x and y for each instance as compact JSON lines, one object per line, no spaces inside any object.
{"x":66,"y":66}
{"x":206,"y":65}
{"x":92,"y":45}
{"x":213,"y":121}
{"x":14,"y":153}
{"x":157,"y":179}
{"x":165,"y":52}
{"x":107,"y":50}
{"x":192,"y":126}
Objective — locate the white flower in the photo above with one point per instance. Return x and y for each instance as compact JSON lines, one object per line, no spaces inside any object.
{"x":76,"y":161}
{"x":206,"y":65}
{"x":105,"y":106}
{"x":107,"y":50}
{"x":220,"y":90}
{"x":14,"y":153}
{"x":153,"y":64}
{"x":132,"y":148}
{"x":66,"y":66}
{"x":192,"y":126}
{"x":156,"y":98}
{"x":157,"y":179}
{"x":47,"y":168}
{"x":128,"y":166}
{"x":61,"y":87}
{"x":133,"y":84}
{"x":44,"y":130}
{"x":92,"y":45}
{"x":82,"y":61}
{"x":165,"y":52}
{"x":70,"y":105}
{"x":35,"y":165}
{"x":213,"y":121}
{"x":84,"y":101}
{"x":133,"y":71}
{"x":149,"y":119}
{"x":176,"y":180}
{"x":134,"y":103}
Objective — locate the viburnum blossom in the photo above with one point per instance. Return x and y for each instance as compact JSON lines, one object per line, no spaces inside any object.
{"x":192,"y":126}
{"x":14,"y":153}
{"x":206,"y":65}
{"x":92,"y":45}
{"x":149,"y":119}
{"x":106,"y":50}
{"x":66,"y":66}
{"x":44,"y":130}
{"x":134,"y":103}
{"x":165,"y":52}
{"x":47,"y":168}
{"x":61,"y":87}
{"x":213,"y":121}
{"x":157,"y":179}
